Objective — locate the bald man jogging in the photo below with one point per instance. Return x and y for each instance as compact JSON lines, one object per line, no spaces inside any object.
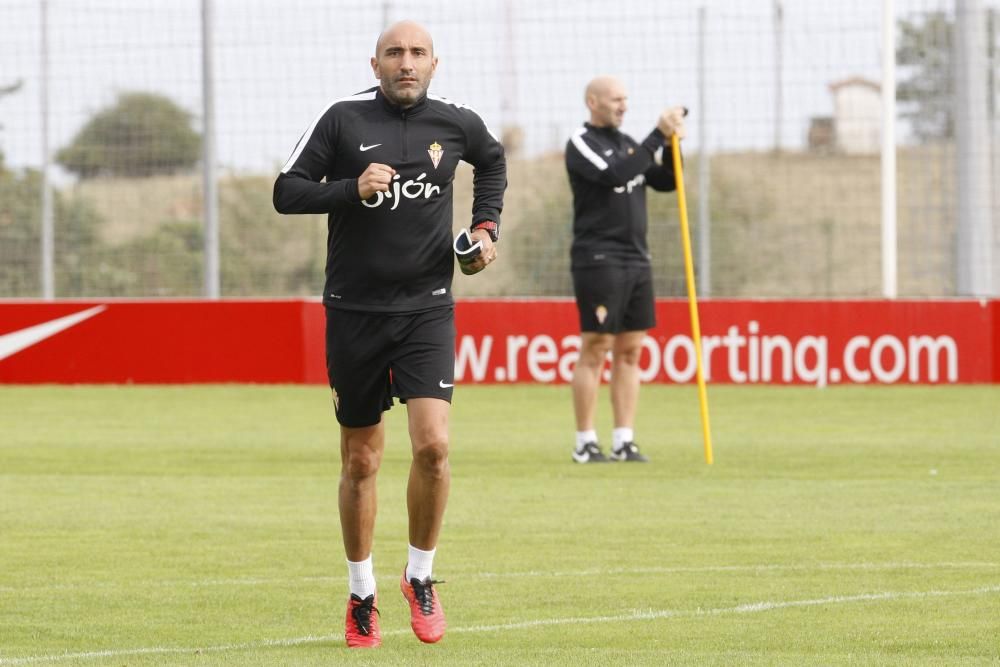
{"x":381,"y":164}
{"x":610,"y":261}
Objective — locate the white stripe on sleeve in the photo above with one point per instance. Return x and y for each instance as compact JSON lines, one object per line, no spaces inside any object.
{"x":299,"y":147}
{"x":586,"y":151}
{"x":445,"y":100}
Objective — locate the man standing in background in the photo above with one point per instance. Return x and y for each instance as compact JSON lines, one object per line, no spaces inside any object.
{"x":610,"y":260}
{"x":381,"y":164}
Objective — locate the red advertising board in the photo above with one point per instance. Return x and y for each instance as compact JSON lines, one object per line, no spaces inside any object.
{"x":160,"y":342}
{"x":995,"y":320}
{"x":506,"y":340}
{"x":746,"y":342}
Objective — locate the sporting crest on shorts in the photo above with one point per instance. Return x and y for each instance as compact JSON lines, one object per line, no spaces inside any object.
{"x":601,"y":313}
{"x":435,"y":151}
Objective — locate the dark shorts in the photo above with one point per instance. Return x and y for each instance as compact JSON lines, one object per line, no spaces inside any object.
{"x":372,"y":357}
{"x":613,"y":299}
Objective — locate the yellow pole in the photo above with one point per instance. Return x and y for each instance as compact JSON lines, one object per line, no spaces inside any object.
{"x":706,"y":429}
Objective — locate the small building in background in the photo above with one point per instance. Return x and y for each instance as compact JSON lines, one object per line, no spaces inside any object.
{"x":822,"y":138}
{"x":857,"y":115}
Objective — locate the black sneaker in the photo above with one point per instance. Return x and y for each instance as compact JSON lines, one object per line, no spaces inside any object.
{"x":589,"y":453}
{"x":628,"y":452}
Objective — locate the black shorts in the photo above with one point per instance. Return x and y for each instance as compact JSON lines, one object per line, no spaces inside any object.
{"x":613,"y":299}
{"x":371,"y":357}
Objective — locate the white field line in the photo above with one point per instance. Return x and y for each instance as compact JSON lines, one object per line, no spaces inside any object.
{"x":636,"y":615}
{"x":592,"y":572}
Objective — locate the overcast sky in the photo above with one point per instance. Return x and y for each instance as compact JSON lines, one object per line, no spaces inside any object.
{"x":523,"y":62}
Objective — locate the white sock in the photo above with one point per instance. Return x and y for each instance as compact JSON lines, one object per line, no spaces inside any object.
{"x":419,"y":564}
{"x":620,"y":436}
{"x":361,"y":577}
{"x":583,"y":437}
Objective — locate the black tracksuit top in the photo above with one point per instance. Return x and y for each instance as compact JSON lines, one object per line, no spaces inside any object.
{"x":391,"y":253}
{"x":608,"y":172}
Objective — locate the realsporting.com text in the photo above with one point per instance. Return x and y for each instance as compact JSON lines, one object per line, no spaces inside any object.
{"x":738,"y":357}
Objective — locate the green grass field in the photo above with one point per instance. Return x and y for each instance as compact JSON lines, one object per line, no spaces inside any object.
{"x":198,"y":526}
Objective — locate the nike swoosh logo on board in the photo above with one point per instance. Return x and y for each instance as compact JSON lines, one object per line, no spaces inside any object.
{"x":14,"y":342}
{"x":364,"y":148}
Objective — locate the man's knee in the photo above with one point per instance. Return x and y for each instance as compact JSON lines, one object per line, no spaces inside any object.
{"x":628,"y":348}
{"x":628,"y":356}
{"x":361,"y":456}
{"x":594,"y":349}
{"x":362,"y":464}
{"x":430,"y":455}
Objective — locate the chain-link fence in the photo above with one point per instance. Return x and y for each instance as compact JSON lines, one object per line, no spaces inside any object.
{"x":782,"y":156}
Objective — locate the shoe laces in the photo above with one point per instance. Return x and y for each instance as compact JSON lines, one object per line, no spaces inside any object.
{"x":362,"y":613}
{"x":424,"y":592}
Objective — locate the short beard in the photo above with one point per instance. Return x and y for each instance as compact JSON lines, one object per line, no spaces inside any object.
{"x":403,"y":103}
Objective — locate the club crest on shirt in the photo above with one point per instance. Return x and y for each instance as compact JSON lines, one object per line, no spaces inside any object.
{"x":601,"y":313}
{"x":435,"y":151}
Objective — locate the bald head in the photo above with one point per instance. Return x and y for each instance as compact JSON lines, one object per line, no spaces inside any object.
{"x":404,"y":62}
{"x":600,"y":85}
{"x":405,"y":29}
{"x":606,"y":98}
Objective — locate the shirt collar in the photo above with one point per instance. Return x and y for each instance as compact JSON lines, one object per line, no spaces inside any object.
{"x":608,"y":130}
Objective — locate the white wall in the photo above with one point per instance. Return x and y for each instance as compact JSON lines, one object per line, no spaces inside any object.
{"x":857,"y":118}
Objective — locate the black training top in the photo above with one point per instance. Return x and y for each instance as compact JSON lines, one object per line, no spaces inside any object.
{"x":608,"y":172}
{"x":392,"y":252}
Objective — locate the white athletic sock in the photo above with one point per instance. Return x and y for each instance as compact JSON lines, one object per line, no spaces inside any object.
{"x":419,"y":563}
{"x":361,"y":577}
{"x":583,"y":437}
{"x":620,"y":436}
